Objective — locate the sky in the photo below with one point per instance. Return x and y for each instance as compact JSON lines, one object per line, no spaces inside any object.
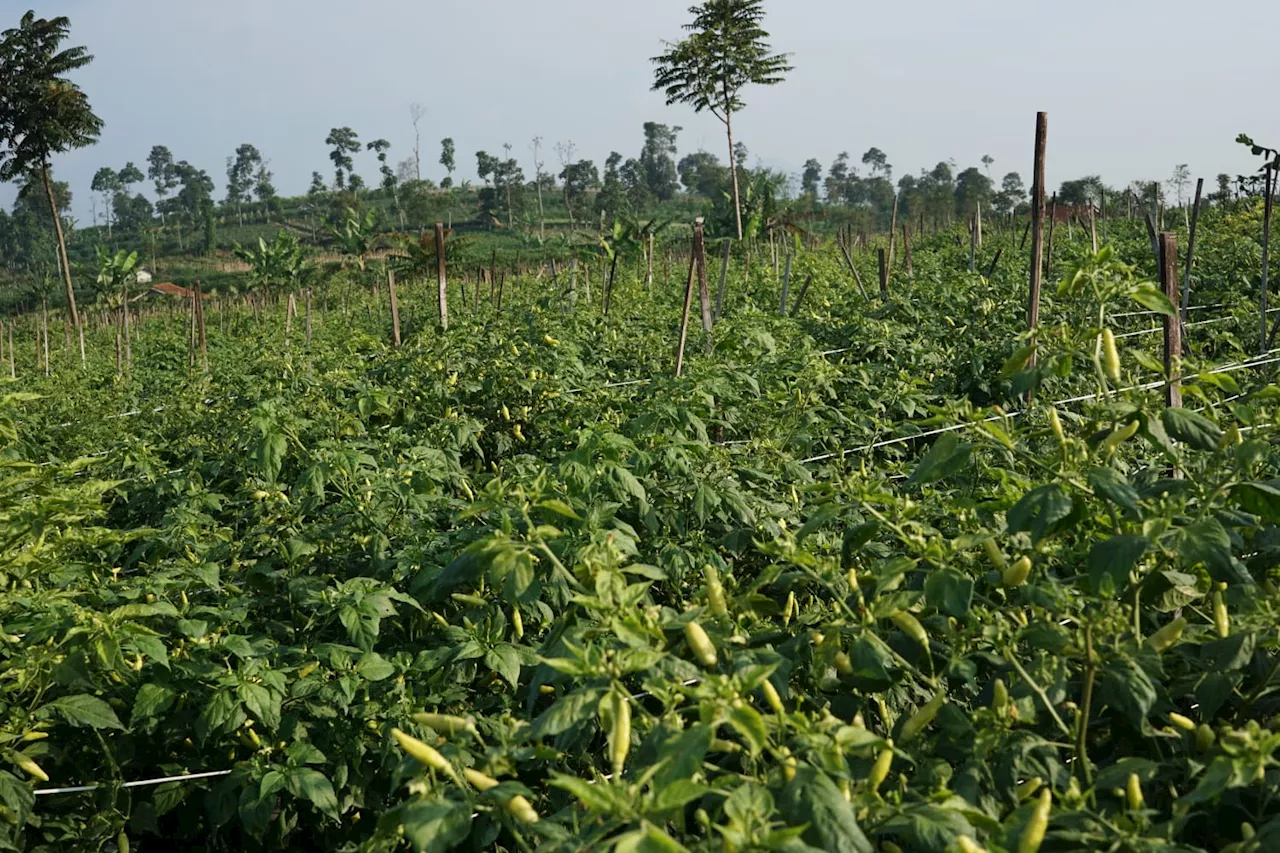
{"x":1132,"y":87}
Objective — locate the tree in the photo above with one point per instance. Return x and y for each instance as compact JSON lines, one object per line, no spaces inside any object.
{"x":612,"y":196}
{"x":725,"y":52}
{"x":317,"y":185}
{"x":564,"y":153}
{"x":536,"y":145}
{"x":107,"y":182}
{"x":416,"y":112}
{"x":702,"y":173}
{"x":1011,"y":194}
{"x":193,"y":202}
{"x":389,"y":183}
{"x":343,"y":142}
{"x":129,"y":176}
{"x":43,"y":113}
{"x":1179,"y":180}
{"x":987,"y":160}
{"x":578,"y":179}
{"x":1081,"y":191}
{"x":838,"y":178}
{"x":878,"y":162}
{"x":240,"y":175}
{"x":657,"y":160}
{"x":263,"y":189}
{"x":811,"y":180}
{"x":632,"y":176}
{"x":160,"y":170}
{"x":972,"y":188}
{"x":447,"y":152}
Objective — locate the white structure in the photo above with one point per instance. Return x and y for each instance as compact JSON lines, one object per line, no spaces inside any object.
{"x":144,"y":277}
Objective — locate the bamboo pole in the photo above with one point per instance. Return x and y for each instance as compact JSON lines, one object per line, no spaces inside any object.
{"x":724,"y":274}
{"x":882,"y":257}
{"x":684,"y":316}
{"x":200,"y":330}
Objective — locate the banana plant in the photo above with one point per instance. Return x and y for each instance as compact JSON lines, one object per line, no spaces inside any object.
{"x":280,"y":262}
{"x":116,"y":271}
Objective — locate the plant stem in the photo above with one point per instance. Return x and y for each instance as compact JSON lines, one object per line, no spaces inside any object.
{"x":1086,"y":701}
{"x":1039,"y":691}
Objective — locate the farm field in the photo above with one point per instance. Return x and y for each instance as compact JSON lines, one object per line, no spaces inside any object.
{"x":515,"y":586}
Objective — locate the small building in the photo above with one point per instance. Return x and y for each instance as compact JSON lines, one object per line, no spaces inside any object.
{"x":143,"y":276}
{"x":168,"y":288}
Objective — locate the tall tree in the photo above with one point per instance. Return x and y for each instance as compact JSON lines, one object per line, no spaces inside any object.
{"x":987,"y":160}
{"x":106,"y":181}
{"x":702,"y":173}
{"x":657,"y":159}
{"x":129,"y":176}
{"x":43,"y":113}
{"x":160,"y":171}
{"x":878,"y":162}
{"x":972,"y":188}
{"x":389,"y":184}
{"x":264,"y":189}
{"x":416,"y":112}
{"x":536,"y":145}
{"x":241,"y":171}
{"x":725,"y":52}
{"x":612,"y":196}
{"x":564,"y":153}
{"x":838,"y":178}
{"x":447,"y":154}
{"x":343,"y":143}
{"x":811,"y":180}
{"x":578,"y":179}
{"x":1012,"y":193}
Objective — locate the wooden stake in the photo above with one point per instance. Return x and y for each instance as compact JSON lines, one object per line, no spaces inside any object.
{"x":786,"y":282}
{"x":200,"y":331}
{"x":1053,"y":221}
{"x":906,"y":248}
{"x":884,"y":273}
{"x":724,"y":274}
{"x":991,"y":268}
{"x":704,"y":295}
{"x":307,"y":294}
{"x":684,"y":316}
{"x":800,"y":297}
{"x":857,"y":279}
{"x":441,"y":279}
{"x":1191,"y":253}
{"x":893,"y":229}
{"x":1037,"y":228}
{"x":1093,"y":229}
{"x":1269,"y":186}
{"x":395,"y":309}
{"x":973,"y":243}
{"x":13,"y":355}
{"x":1172,"y":325}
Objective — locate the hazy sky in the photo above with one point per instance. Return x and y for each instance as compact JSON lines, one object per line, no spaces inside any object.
{"x":1131,"y":86}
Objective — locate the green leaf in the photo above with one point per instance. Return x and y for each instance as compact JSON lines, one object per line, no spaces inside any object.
{"x":949,"y":592}
{"x":1111,"y":561}
{"x":1192,"y":429}
{"x":83,"y":710}
{"x":374,"y":667}
{"x":1153,"y":299}
{"x":560,"y":508}
{"x":567,"y":712}
{"x":1128,"y":689}
{"x":151,"y":701}
{"x":261,"y":702}
{"x":649,"y":839}
{"x":1207,"y":541}
{"x":312,"y":785}
{"x":600,"y":798}
{"x":1110,"y":484}
{"x":435,"y":826}
{"x":504,"y":660}
{"x":1261,"y":499}
{"x":748,"y":723}
{"x":947,"y":457}
{"x":1040,"y":511}
{"x":1017,"y":361}
{"x":812,"y":799}
{"x":17,"y":796}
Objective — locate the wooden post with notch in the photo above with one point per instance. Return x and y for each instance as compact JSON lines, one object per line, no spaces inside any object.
{"x":1037,"y":227}
{"x":881,"y":256}
{"x":1053,"y":219}
{"x":441,"y":279}
{"x":893,"y":229}
{"x":1172,"y":325}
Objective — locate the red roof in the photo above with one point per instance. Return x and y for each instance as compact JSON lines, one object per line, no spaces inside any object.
{"x":166,"y":288}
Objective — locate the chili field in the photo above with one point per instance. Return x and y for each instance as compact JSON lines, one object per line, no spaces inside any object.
{"x":866,"y":576}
